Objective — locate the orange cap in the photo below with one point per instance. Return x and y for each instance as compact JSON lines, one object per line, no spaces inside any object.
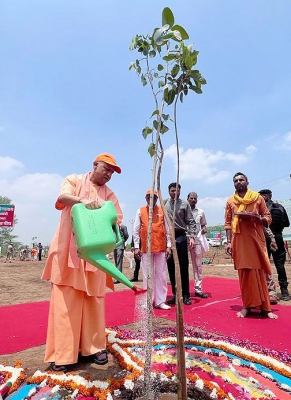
{"x":149,"y":192}
{"x":109,"y":159}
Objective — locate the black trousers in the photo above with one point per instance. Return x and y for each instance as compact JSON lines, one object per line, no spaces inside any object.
{"x":118,"y":258}
{"x":279,"y":258}
{"x":182,"y":250}
{"x":136,"y":268}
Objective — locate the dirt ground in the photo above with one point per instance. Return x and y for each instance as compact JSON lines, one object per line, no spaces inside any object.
{"x":20,"y":283}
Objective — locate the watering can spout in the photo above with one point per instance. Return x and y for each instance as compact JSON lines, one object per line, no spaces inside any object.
{"x":100,"y":261}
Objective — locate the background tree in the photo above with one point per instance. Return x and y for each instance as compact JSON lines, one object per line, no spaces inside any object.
{"x":171,"y":78}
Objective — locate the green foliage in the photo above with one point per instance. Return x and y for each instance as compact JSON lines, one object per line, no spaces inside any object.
{"x":173,"y":77}
{"x":152,"y":149}
{"x":168,"y":17}
{"x":5,"y":200}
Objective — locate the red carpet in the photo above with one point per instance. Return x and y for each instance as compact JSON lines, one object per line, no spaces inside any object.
{"x":24,"y":325}
{"x":217,"y":314}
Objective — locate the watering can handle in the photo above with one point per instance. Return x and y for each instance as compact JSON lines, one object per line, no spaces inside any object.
{"x":116,"y":230}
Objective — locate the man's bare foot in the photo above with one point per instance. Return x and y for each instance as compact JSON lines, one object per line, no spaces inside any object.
{"x":270,"y":315}
{"x":242,"y":313}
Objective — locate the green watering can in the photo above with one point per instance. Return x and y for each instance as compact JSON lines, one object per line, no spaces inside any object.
{"x":96,"y":234}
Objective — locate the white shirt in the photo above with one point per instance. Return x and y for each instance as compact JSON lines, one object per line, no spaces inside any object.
{"x":199,"y":217}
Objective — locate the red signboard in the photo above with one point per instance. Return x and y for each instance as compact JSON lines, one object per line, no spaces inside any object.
{"x":6,"y":215}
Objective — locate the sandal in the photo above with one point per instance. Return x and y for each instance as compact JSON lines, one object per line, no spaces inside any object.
{"x":101,"y":357}
{"x":58,"y":368}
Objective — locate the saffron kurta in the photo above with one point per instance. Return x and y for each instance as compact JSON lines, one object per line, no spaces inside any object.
{"x":249,"y":252}
{"x":76,"y":316}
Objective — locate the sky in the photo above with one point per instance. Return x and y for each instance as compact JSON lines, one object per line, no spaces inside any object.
{"x":67,"y":95}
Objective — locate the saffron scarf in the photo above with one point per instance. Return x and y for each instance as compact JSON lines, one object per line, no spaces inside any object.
{"x":249,"y":197}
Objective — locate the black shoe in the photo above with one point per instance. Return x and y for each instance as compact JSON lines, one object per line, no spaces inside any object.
{"x":285,"y":294}
{"x":58,"y":368}
{"x":201,"y":294}
{"x":100,"y":358}
{"x":133,"y":279}
{"x":172,"y":300}
{"x":187,"y":301}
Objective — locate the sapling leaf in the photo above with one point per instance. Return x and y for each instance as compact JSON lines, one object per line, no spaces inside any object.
{"x":155,"y":113}
{"x":151,"y":149}
{"x":165,"y":117}
{"x":171,"y":97}
{"x":168,"y":17}
{"x":164,"y":128}
{"x":169,"y":57}
{"x":183,"y":33}
{"x":146,"y":131}
{"x":195,"y":89}
{"x":155,"y":124}
{"x":175,"y":70}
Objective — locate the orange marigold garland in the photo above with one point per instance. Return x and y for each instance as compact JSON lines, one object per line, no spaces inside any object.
{"x":128,"y":352}
{"x":16,"y":375}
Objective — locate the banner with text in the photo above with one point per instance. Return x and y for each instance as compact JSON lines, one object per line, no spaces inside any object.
{"x":6,"y":215}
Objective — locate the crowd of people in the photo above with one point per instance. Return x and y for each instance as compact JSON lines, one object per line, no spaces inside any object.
{"x":254,"y":229}
{"x":34,"y":253}
{"x":78,"y":288}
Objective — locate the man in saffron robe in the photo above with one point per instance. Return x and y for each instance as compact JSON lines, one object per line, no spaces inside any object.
{"x":247,"y":246}
{"x":160,"y":248}
{"x":77,"y":312}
